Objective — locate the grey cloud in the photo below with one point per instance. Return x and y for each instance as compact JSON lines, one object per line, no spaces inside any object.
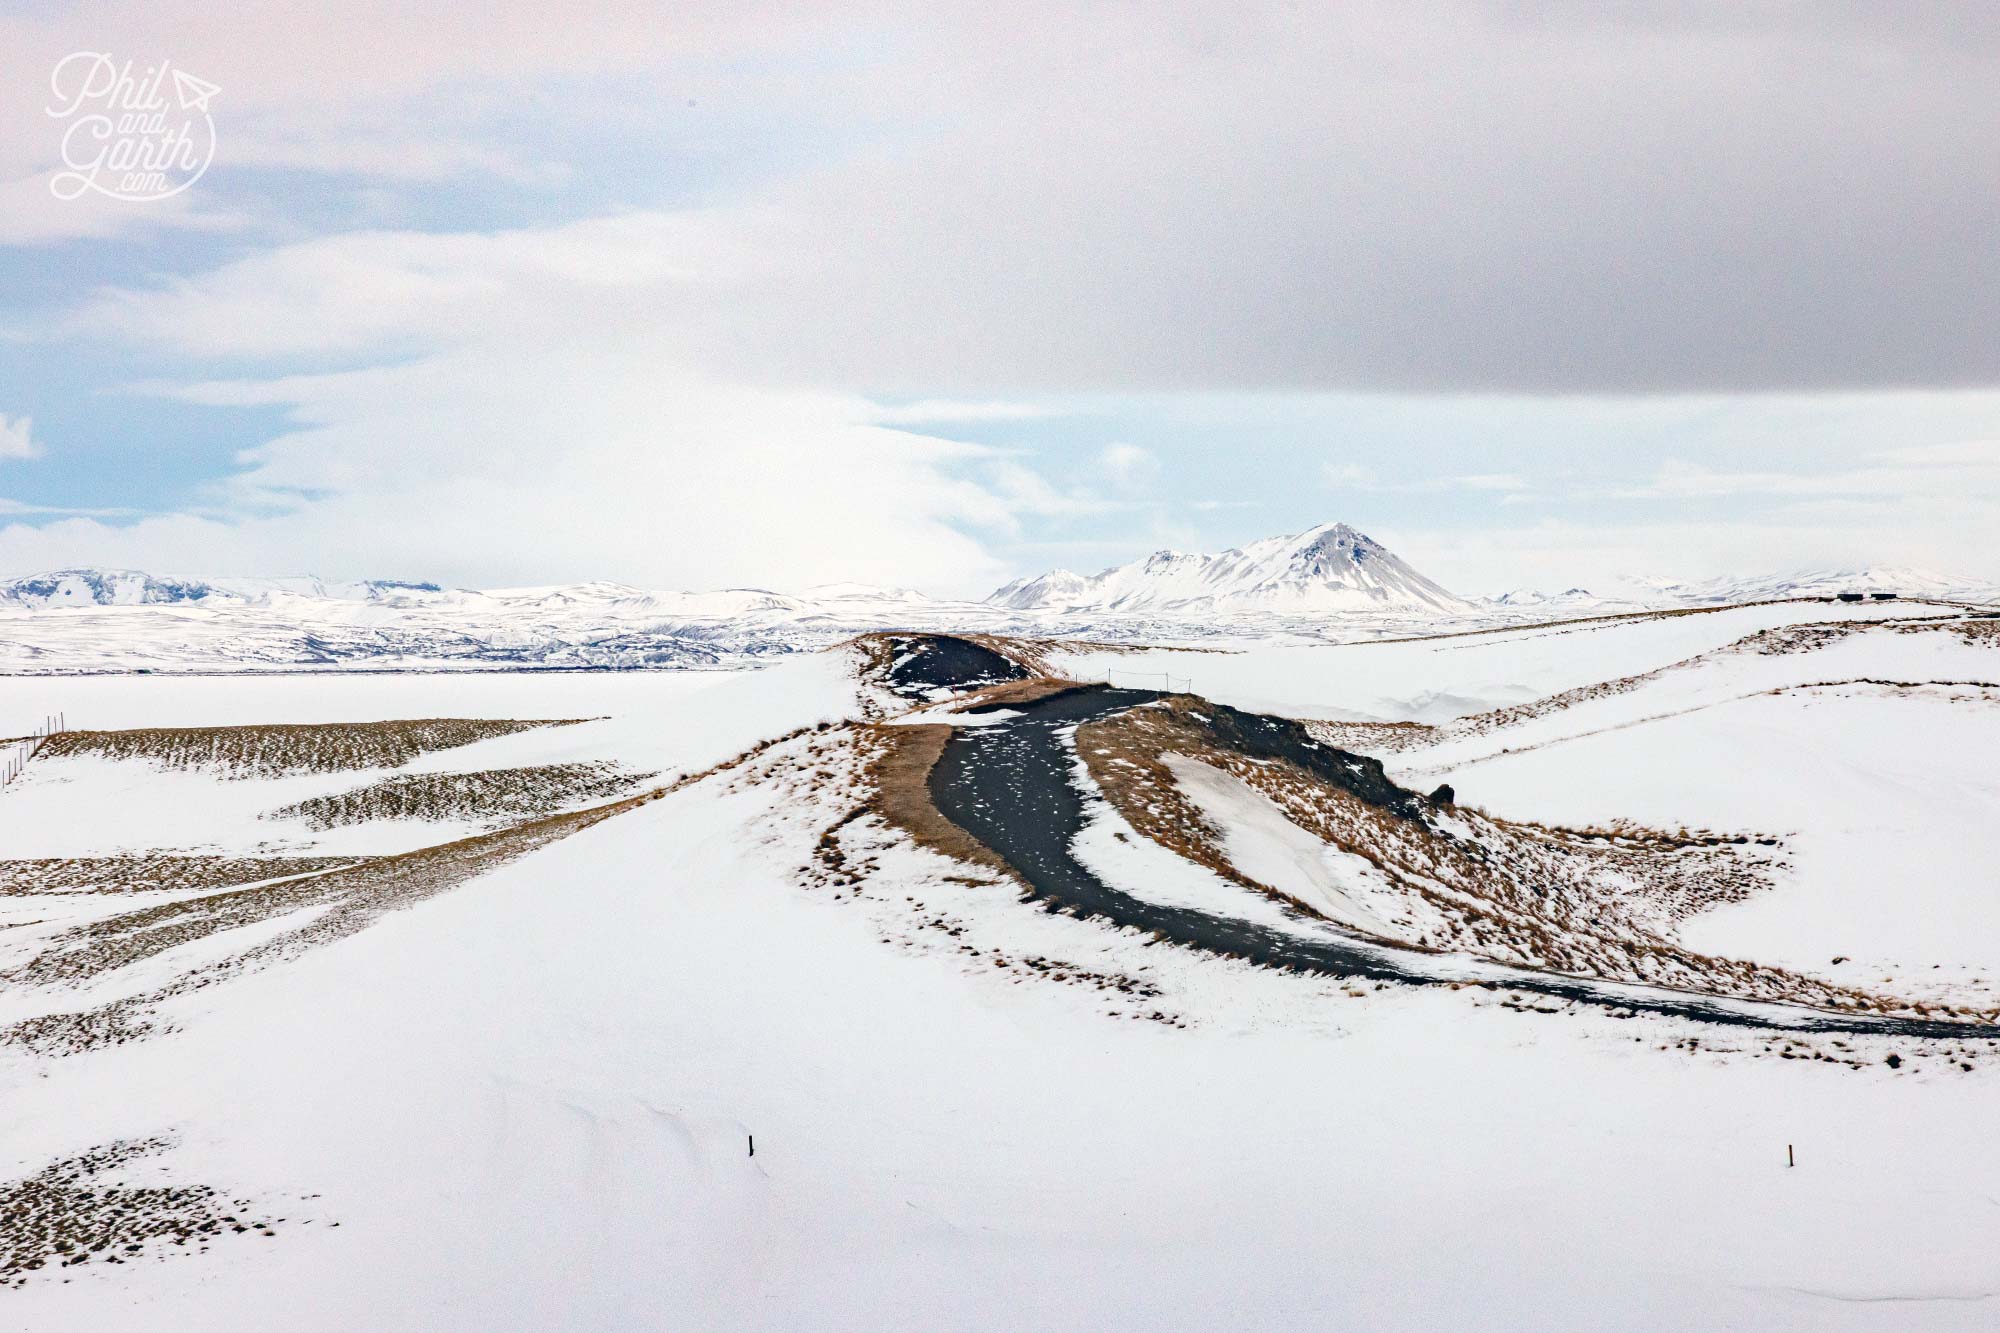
{"x":1429,"y":197}
{"x":1457,"y":196}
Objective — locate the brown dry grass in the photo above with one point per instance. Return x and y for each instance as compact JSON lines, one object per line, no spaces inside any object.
{"x":1783,"y":640}
{"x":876,"y":652}
{"x":1028,"y":654}
{"x":829,"y":775}
{"x":1373,"y":737}
{"x":1584,"y":624}
{"x":898,"y":775}
{"x":488,"y":795}
{"x":1125,"y":757}
{"x":1979,"y":633}
{"x":350,"y":899}
{"x":1011,"y":692}
{"x":276,"y":750}
{"x":148,"y":872}
{"x":1525,"y":895}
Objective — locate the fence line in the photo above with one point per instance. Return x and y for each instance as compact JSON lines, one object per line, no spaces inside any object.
{"x":1163,"y":681}
{"x":21,"y":750}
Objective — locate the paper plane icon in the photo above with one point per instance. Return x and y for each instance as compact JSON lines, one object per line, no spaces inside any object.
{"x":194,"y":93}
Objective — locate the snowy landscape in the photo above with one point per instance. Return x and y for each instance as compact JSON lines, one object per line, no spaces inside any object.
{"x":1326,"y":584}
{"x":712,"y":665}
{"x":1338,"y":949}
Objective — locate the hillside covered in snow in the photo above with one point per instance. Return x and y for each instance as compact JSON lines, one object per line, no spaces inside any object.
{"x":1635,"y":592}
{"x":966,"y":982}
{"x":1328,"y":584}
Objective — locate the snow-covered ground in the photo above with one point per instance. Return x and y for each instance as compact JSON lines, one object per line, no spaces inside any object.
{"x":1438,"y":677}
{"x":529,"y":1101}
{"x":663,"y":720}
{"x":1869,"y":752}
{"x":1885,"y":797}
{"x":665,"y":724}
{"x":1269,"y":848}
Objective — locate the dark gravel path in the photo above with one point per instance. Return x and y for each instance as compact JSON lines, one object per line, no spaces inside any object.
{"x":1009,"y":785}
{"x":925,"y":663}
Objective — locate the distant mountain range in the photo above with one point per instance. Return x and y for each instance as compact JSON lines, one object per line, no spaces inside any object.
{"x":1641,"y":592}
{"x":131,"y":587}
{"x":1330,"y":582}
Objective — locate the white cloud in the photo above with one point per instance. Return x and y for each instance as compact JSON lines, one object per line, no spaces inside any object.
{"x":1354,"y":477}
{"x":1963,"y":453}
{"x":1115,"y":197}
{"x":485,"y":468}
{"x":326,"y":69}
{"x":17,"y":438}
{"x":1887,"y":477}
{"x":367,"y":291}
{"x":31,"y":215}
{"x":943,"y":411}
{"x":1046,"y":233}
{"x":1492,"y":481}
{"x":527,"y":428}
{"x":1129,"y":466}
{"x":530,"y":417}
{"x":1932,"y":506}
{"x":1949,"y":533}
{"x":1025,"y":491}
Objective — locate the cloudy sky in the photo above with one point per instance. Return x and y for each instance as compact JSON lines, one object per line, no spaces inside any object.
{"x":694,"y":294}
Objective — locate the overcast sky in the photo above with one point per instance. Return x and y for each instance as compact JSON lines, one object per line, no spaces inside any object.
{"x":700,"y":294}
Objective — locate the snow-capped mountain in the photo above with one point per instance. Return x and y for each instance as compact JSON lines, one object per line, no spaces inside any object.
{"x":1534,"y":597}
{"x":1819,"y":583}
{"x":99,"y":587}
{"x":1648,"y":592}
{"x":126,"y":620}
{"x":1330,"y":568}
{"x":131,"y":587}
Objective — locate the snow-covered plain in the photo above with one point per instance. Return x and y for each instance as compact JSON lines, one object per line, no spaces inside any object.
{"x":529,"y":1102}
{"x":1438,"y":676}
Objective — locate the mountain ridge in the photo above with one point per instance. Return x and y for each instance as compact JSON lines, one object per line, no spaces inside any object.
{"x":1330,"y":568}
{"x":1657,"y":592}
{"x":1328,"y":572}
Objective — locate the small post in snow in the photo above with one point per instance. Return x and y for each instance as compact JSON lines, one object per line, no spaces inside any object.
{"x":753,"y":1143}
{"x":1788,"y":1156}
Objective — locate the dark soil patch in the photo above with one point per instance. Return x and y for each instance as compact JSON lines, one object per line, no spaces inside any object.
{"x":78,"y":1211}
{"x":923,"y":664}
